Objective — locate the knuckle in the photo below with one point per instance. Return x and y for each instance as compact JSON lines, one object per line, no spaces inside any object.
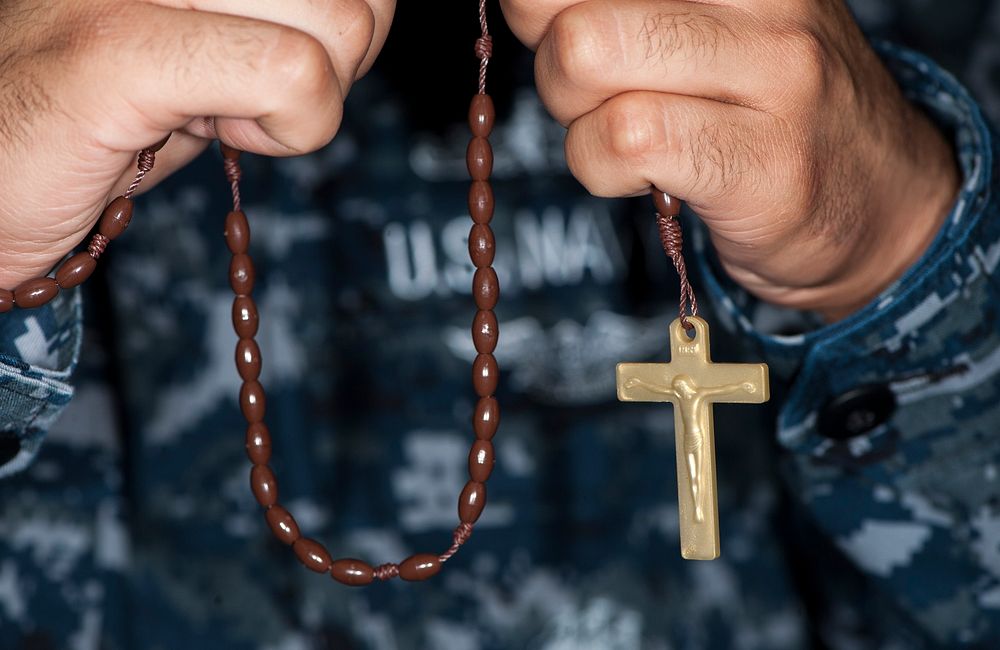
{"x":807,"y":62}
{"x":633,"y":134}
{"x":300,"y":62}
{"x":584,"y":45}
{"x":359,"y":23}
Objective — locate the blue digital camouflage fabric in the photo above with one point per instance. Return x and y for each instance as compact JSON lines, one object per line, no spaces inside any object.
{"x":860,"y":508}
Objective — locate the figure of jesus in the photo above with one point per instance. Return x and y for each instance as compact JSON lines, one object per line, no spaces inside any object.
{"x":690,"y":399}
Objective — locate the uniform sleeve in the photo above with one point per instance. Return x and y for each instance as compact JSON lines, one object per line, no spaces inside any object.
{"x":892,"y":417}
{"x":39,"y":349}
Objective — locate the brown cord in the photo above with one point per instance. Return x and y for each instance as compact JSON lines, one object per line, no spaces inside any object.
{"x":462,"y":533}
{"x":484,"y":47}
{"x":386,"y":571}
{"x":147,"y":157}
{"x":234,"y":174}
{"x":673,"y":243}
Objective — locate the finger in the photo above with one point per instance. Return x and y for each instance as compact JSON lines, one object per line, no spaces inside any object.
{"x":178,"y":152}
{"x":530,"y":19}
{"x":709,"y":154}
{"x":383,"y":11}
{"x":272,"y":89}
{"x":344,"y":27}
{"x":598,"y":49}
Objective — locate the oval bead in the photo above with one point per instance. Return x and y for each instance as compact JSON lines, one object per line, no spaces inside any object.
{"x":481,"y":461}
{"x":485,"y":375}
{"x":248,"y":359}
{"x":479,"y":159}
{"x":252,"y":401}
{"x":245,"y":317}
{"x":6,"y":300}
{"x":282,"y":524}
{"x":35,"y":293}
{"x":486,"y":288}
{"x":228,"y":152}
{"x":481,"y":202}
{"x":237,"y":232}
{"x":471,"y":502}
{"x":116,"y":217}
{"x":482,"y":115}
{"x":486,"y":419}
{"x":419,"y":567}
{"x":482,"y":245}
{"x":75,"y":270}
{"x":264,"y":485}
{"x":241,"y":274}
{"x":665,"y":204}
{"x":258,"y":443}
{"x":312,"y":554}
{"x":351,"y":572}
{"x":485,"y":332}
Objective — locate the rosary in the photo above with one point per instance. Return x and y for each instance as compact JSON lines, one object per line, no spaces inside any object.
{"x":691,"y":382}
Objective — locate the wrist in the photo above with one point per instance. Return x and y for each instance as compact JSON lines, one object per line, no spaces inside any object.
{"x":908,"y":209}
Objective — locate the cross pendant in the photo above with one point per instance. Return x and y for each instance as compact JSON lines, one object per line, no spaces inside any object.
{"x":692,"y":383}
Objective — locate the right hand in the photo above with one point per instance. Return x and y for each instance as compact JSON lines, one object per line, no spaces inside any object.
{"x":85,"y":84}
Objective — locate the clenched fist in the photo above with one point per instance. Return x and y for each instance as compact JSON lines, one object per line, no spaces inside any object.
{"x":773,"y":119}
{"x":85,"y":84}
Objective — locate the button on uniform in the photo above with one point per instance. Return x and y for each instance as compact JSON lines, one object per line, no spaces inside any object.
{"x":856,"y":412}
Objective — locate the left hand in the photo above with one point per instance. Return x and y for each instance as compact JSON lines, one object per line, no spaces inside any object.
{"x":774,"y":119}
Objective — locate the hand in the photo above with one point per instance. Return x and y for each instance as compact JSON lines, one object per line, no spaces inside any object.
{"x":773,"y":119}
{"x":85,"y":84}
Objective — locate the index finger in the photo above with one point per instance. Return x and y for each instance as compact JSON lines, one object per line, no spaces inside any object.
{"x":530,"y":20}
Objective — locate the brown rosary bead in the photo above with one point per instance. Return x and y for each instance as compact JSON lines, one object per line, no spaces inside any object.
{"x":252,"y":401}
{"x":75,"y":270}
{"x":481,"y":202}
{"x":248,"y":359}
{"x":282,"y":524}
{"x":481,"y":461}
{"x":264,"y":485}
{"x":482,"y":115}
{"x":482,"y":245}
{"x":485,"y":331}
{"x":351,"y":572}
{"x":486,"y":419}
{"x":471,"y":502}
{"x":485,"y":375}
{"x":229,"y":153}
{"x":312,"y":554}
{"x":258,"y":443}
{"x":665,"y":204}
{"x":35,"y":293}
{"x":241,"y":274}
{"x":6,"y":301}
{"x":237,"y":232}
{"x":116,"y":217}
{"x":419,"y":567}
{"x":486,"y":288}
{"x":245,"y":317}
{"x":479,"y":159}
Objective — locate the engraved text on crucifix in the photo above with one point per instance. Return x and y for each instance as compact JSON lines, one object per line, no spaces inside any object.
{"x":693,"y":383}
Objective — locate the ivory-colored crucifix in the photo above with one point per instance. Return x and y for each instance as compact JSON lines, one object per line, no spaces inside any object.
{"x":692,"y":383}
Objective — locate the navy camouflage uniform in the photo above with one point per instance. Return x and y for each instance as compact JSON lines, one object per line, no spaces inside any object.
{"x":860,"y":508}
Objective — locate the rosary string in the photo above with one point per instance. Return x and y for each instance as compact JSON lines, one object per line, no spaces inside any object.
{"x":484,"y":47}
{"x":667,"y":213}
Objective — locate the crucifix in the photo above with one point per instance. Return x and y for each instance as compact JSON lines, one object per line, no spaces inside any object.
{"x":692,"y":383}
